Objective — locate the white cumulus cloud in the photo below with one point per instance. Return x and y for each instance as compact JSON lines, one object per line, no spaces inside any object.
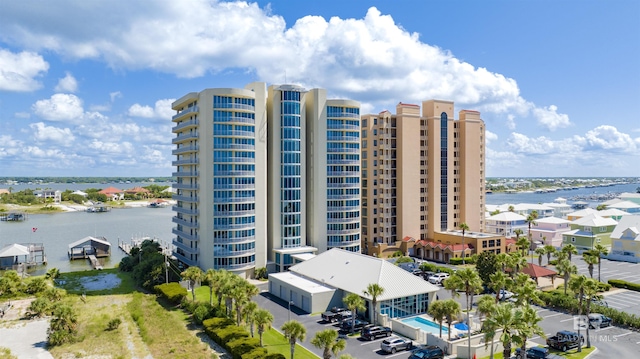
{"x":549,"y":118}
{"x":609,"y":138}
{"x":162,"y":109}
{"x":60,"y":107}
{"x":18,"y":71}
{"x":42,"y":133}
{"x":67,"y":84}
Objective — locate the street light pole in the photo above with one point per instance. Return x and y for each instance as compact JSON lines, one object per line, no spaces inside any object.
{"x":290,"y":310}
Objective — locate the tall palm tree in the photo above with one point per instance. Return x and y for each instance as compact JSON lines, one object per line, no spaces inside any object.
{"x":470,"y":283}
{"x":523,"y":245}
{"x":354,"y":302}
{"x":526,"y":290}
{"x":248,"y":313}
{"x":498,"y":281}
{"x":590,"y":291}
{"x":52,"y":274}
{"x":540,"y":252}
{"x":221,"y":280}
{"x":210,"y":278}
{"x":263,"y":319}
{"x":569,"y":249}
{"x":549,"y":250}
{"x":527,"y":320}
{"x":437,"y":310}
{"x":565,"y":268}
{"x":464,"y":227}
{"x":451,"y":310}
{"x":599,"y":250}
{"x":516,"y":262}
{"x":577,"y":285}
{"x":194,"y":275}
{"x":531,"y":221}
{"x":293,"y":331}
{"x":327,"y":341}
{"x":591,"y":260}
{"x":503,"y":260}
{"x":374,"y":290}
{"x":241,"y":295}
{"x":486,"y":307}
{"x":504,"y":319}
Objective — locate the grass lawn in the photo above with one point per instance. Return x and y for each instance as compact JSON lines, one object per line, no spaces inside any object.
{"x":570,"y":354}
{"x":275,"y":342}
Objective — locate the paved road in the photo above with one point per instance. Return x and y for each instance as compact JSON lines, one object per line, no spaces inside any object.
{"x":629,"y":272}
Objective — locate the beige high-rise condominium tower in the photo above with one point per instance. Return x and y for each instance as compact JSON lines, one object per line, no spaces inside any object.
{"x":264,"y":176}
{"x":422,"y":172}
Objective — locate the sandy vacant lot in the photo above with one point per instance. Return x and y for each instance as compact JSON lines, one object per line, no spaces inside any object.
{"x":25,"y":339}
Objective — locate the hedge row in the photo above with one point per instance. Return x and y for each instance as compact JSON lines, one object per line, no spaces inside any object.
{"x":173,"y":292}
{"x":558,"y":300}
{"x":236,"y":340}
{"x":619,"y":283}
{"x":467,"y":260}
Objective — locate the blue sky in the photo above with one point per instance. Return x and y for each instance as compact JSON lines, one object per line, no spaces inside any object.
{"x":86,"y":86}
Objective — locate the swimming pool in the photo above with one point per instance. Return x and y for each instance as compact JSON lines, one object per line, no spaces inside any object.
{"x":425,"y":325}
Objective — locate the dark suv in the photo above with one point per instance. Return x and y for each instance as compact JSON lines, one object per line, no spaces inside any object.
{"x":429,"y":352}
{"x":345,"y":325}
{"x":373,"y":332}
{"x":533,"y":353}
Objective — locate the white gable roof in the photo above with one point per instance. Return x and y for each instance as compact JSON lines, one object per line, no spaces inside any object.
{"x":353,"y":272}
{"x":507,"y":216}
{"x":553,"y":220}
{"x":624,"y":205}
{"x":624,"y":223}
{"x":582,"y":212}
{"x":612,"y":212}
{"x":595,"y":220}
{"x":13,"y":250}
{"x":88,"y":239}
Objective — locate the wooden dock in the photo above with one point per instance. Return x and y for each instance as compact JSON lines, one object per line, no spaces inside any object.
{"x":95,"y":263}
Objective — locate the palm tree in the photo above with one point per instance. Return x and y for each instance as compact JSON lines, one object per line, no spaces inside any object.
{"x":503,"y":260}
{"x":263,"y":319}
{"x":194,"y":275}
{"x":590,"y":291}
{"x":486,"y":307}
{"x":221,"y":280}
{"x":451,"y":310}
{"x":464,"y":227}
{"x":526,"y":290}
{"x":248,"y":313}
{"x":327,"y":341}
{"x":527,"y":320}
{"x":52,"y":274}
{"x":374,"y":290}
{"x":241,"y":295}
{"x":498,"y":281}
{"x":591,"y":260}
{"x":577,"y":286}
{"x":470,"y":283}
{"x":504,"y":319}
{"x":523,"y":245}
{"x":531,"y":221}
{"x":569,"y":249}
{"x":540,"y":252}
{"x":354,"y":302}
{"x":599,"y":250}
{"x":294,"y":331}
{"x":549,"y":250}
{"x":210,"y":278}
{"x":437,"y":310}
{"x":565,"y":268}
{"x":516,"y":262}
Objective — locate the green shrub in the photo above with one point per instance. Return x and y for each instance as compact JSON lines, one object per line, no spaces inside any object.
{"x":203,"y":311}
{"x":241,"y":346}
{"x":553,"y":262}
{"x":214,"y":324}
{"x":229,"y":334}
{"x":257,"y":353}
{"x":467,"y":260}
{"x":173,"y":291}
{"x":619,"y":283}
{"x":114,"y":324}
{"x":275,"y":356}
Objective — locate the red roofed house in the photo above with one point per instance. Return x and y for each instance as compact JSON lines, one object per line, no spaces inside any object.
{"x":138,"y":192}
{"x":113,"y":193}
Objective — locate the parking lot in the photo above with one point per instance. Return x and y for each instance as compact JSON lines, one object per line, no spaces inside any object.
{"x":629,"y":272}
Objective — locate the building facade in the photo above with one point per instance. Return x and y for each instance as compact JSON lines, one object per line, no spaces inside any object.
{"x":422,"y":172}
{"x":263,"y":175}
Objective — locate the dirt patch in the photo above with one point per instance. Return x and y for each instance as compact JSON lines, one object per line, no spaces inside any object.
{"x":15,"y":309}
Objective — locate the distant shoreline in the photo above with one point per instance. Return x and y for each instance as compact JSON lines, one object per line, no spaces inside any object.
{"x":73,"y":207}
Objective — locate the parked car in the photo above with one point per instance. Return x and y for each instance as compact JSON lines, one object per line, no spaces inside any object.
{"x":426,"y":275}
{"x":375,"y":331}
{"x":345,"y":325}
{"x":565,"y":340}
{"x":393,"y":344}
{"x":428,"y":352}
{"x":533,"y":353}
{"x":504,"y":294}
{"x":336,"y":314}
{"x":438,"y":278}
{"x":597,"y":320}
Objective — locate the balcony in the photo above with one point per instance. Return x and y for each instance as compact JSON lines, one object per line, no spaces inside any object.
{"x":343,"y":173}
{"x":343,"y":150}
{"x":185,"y":137}
{"x":233,"y":119}
{"x":184,"y":259}
{"x":226,"y":253}
{"x":185,"y":174}
{"x":184,"y":210}
{"x":343,"y":115}
{"x":184,"y":125}
{"x":189,"y":110}
{"x":185,"y":161}
{"x":343,"y":138}
{"x":220,"y":227}
{"x":234,"y":213}
{"x":234,"y":173}
{"x":185,"y":149}
{"x":343,"y":127}
{"x":183,"y":235}
{"x":184,"y":222}
{"x":233,"y":146}
{"x":185,"y":248}
{"x":233,"y":160}
{"x":343,"y":208}
{"x":231,"y":267}
{"x":236,"y":106}
{"x":235,"y":200}
{"x":189,"y":186}
{"x":189,"y":199}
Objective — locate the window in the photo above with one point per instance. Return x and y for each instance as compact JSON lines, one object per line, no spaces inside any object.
{"x":573,"y":239}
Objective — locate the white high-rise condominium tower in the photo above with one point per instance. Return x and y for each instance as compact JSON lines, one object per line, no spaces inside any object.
{"x":265,"y":177}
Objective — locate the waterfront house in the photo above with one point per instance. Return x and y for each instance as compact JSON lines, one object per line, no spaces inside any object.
{"x":625,"y":240}
{"x":505,"y":223}
{"x":627,"y":206}
{"x":632,"y":197}
{"x":55,"y":195}
{"x":581,"y":213}
{"x":113,"y":194}
{"x":549,"y":230}
{"x":588,"y":231}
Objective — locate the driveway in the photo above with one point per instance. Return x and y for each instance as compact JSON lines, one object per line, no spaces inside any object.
{"x":26,"y":339}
